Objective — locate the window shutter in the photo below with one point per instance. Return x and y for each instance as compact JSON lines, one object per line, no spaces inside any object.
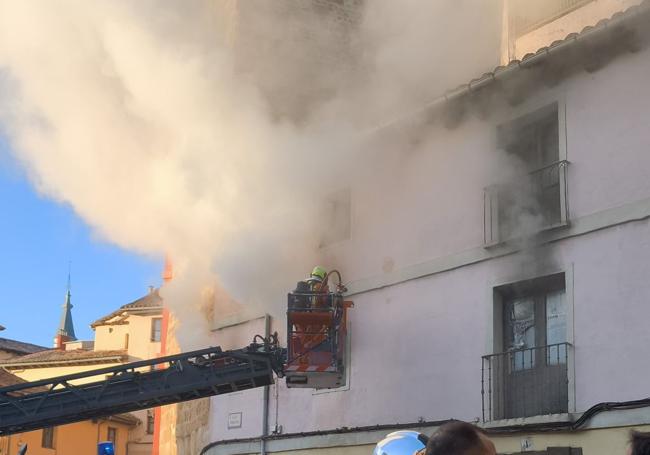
{"x":490,"y":216}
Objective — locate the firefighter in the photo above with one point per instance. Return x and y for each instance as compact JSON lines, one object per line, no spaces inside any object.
{"x":314,"y":284}
{"x":316,"y":279}
{"x":401,"y":443}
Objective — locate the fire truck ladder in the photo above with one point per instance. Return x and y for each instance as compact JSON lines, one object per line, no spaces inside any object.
{"x":138,"y":385}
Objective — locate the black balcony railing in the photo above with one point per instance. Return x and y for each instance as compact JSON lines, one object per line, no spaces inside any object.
{"x":531,"y":203}
{"x":525,"y":382}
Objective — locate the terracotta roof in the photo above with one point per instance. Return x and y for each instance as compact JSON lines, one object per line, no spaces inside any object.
{"x":7,"y":379}
{"x":53,"y":357}
{"x":19,"y":347}
{"x":592,"y":48}
{"x":150,"y":301}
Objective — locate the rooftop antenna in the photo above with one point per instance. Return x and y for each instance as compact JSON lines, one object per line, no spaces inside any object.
{"x":69,"y":271}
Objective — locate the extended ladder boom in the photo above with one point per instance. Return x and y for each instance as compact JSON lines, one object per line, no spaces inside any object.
{"x":139,"y":385}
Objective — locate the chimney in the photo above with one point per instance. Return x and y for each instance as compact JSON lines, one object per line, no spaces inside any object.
{"x":168,"y":271}
{"x":152,"y":289}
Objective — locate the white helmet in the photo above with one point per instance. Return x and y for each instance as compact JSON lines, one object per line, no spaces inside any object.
{"x":401,"y":443}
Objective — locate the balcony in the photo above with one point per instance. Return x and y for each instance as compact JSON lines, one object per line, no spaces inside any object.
{"x":525,"y":382}
{"x":535,"y":202}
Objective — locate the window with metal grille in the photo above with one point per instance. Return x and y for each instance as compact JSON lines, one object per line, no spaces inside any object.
{"x":528,"y":373}
{"x":535,"y":198}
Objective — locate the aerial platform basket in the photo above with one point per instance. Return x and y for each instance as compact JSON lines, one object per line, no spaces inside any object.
{"x":317,"y":339}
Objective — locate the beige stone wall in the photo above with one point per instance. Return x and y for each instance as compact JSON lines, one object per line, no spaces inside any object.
{"x":140,"y":344}
{"x":111,"y":337}
{"x":192,"y":426}
{"x":168,"y":414}
{"x":184,"y":427}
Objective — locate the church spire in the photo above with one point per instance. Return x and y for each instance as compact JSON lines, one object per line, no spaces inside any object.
{"x":65,"y":332}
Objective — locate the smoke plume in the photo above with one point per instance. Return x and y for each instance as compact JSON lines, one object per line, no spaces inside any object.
{"x":211,"y":131}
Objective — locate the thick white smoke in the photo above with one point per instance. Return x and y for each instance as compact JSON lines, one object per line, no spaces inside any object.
{"x":142,"y":117}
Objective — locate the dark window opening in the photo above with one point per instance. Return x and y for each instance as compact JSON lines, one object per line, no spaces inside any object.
{"x":111,"y":435}
{"x":47,"y":438}
{"x":535,"y":199}
{"x":336,"y":216}
{"x":156,"y":329}
{"x":150,"y":421}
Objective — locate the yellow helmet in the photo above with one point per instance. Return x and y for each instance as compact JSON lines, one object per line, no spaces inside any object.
{"x":319,"y":272}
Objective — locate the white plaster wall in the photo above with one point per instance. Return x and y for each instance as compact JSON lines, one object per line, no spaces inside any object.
{"x":607,"y":135}
{"x":417,"y":346}
{"x":248,"y":402}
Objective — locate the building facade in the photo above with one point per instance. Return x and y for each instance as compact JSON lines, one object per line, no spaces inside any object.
{"x":131,"y":333}
{"x":498,"y":271}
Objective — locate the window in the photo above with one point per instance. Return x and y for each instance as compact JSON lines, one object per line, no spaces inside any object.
{"x":150,"y":421}
{"x":538,"y":319}
{"x":536,"y":198}
{"x":111,"y":435}
{"x":336,"y":216}
{"x":47,"y":439}
{"x":156,"y":329}
{"x":126,"y":341}
{"x":528,"y":374}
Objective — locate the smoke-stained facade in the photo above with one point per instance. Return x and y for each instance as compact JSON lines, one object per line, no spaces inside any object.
{"x":298,"y":53}
{"x":251,"y":140}
{"x":497,"y":267}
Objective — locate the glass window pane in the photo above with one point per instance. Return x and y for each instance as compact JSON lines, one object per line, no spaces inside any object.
{"x":521,"y":333}
{"x":522,"y":324}
{"x":156,"y":326}
{"x":556,"y":318}
{"x":556,"y":322}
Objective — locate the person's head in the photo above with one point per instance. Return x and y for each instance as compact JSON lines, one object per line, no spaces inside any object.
{"x":459,"y":438}
{"x":639,"y":443}
{"x":318,"y":273}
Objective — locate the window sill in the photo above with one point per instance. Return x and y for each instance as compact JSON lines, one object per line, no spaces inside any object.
{"x":539,"y":234}
{"x":532,"y":420}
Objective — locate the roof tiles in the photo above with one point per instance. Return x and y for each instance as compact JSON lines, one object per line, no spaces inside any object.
{"x":56,"y":356}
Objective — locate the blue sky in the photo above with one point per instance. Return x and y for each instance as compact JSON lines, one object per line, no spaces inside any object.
{"x":38,"y":237}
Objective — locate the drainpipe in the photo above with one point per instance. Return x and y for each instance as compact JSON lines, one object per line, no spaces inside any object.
{"x":265,"y":412}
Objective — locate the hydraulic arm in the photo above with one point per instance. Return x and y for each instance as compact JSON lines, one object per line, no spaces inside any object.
{"x":315,"y":358}
{"x":138,"y":385}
